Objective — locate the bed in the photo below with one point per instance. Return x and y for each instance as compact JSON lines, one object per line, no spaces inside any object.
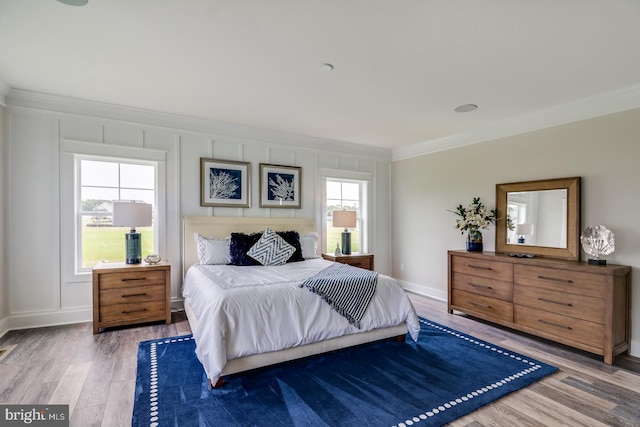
{"x":244,"y":318}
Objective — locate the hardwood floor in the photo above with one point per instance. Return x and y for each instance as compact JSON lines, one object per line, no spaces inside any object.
{"x":95,"y":374}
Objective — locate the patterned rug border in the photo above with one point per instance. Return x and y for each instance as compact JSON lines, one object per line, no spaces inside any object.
{"x":529,"y":367}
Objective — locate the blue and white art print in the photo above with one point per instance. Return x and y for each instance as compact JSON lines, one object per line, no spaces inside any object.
{"x":224,"y":183}
{"x":280,"y":186}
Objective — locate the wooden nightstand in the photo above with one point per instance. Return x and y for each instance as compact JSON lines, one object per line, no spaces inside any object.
{"x":356,"y":259}
{"x":125,"y":294}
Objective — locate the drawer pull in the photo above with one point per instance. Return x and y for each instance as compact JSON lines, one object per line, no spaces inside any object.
{"x":133,"y":311}
{"x":478,"y":304}
{"x":555,"y":279}
{"x":479,"y":267}
{"x":568,"y":304}
{"x":134,"y":279}
{"x":477,"y":285}
{"x":554,"y":324}
{"x":134,"y":295}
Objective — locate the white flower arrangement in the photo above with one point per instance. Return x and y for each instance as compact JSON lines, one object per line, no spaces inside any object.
{"x":474,"y":217}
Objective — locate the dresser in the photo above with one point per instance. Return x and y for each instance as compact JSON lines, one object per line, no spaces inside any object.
{"x":355,"y":259}
{"x":570,"y":302}
{"x":126,"y":294}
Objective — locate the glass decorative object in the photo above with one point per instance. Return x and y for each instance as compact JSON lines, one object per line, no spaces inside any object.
{"x":597,"y":241}
{"x":474,"y":240}
{"x":337,"y":252}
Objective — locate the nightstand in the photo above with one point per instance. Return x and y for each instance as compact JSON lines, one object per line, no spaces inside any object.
{"x":126,"y":294}
{"x":356,"y":259}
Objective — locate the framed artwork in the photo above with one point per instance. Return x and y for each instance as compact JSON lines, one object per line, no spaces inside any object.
{"x":225,"y":183}
{"x":280,"y":186}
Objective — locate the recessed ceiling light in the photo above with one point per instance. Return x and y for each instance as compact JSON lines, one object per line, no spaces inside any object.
{"x":465,"y":108}
{"x":74,"y":2}
{"x":326,"y":67}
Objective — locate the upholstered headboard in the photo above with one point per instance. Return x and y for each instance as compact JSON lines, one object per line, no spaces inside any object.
{"x":220,"y":227}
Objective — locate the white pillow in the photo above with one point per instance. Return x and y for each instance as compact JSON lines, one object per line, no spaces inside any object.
{"x":211,"y":250}
{"x":271,"y":249}
{"x":309,"y":244}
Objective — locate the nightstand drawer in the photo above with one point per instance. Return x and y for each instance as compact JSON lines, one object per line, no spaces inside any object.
{"x":135,"y":294}
{"x":131,"y":278}
{"x":125,"y":314}
{"x":360,"y":260}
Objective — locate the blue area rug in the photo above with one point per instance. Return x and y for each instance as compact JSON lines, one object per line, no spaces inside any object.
{"x":444,"y":376}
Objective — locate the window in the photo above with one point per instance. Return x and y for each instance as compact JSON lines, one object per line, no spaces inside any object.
{"x":351,"y":195}
{"x":100,"y":181}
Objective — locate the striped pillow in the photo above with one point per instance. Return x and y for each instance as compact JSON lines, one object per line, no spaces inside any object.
{"x":271,"y":249}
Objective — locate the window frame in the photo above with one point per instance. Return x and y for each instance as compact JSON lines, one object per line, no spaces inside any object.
{"x":363,"y":218}
{"x":69,"y":150}
{"x":79,"y":213}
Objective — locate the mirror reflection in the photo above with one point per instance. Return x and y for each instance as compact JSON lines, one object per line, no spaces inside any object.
{"x":540,"y":218}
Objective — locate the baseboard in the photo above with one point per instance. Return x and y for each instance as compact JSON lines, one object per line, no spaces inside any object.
{"x":40,"y":320}
{"x":634,"y":348}
{"x":4,"y":326}
{"x":423,"y":290}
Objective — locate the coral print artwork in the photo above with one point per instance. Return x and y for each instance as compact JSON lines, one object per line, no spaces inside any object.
{"x":224,"y":183}
{"x":279,"y":186}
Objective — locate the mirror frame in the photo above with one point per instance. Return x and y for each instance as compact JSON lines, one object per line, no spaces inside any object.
{"x":572,"y":185}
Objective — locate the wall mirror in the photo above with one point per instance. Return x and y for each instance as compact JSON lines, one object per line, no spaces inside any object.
{"x":545,"y":218}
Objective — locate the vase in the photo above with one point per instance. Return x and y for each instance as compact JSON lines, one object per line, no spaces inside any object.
{"x":474,"y":240}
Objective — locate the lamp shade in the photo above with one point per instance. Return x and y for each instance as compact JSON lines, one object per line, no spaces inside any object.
{"x":131,"y":214}
{"x":524,"y":230}
{"x":344,"y":219}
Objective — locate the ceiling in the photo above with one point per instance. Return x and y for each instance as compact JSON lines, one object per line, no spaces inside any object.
{"x":399,"y":67}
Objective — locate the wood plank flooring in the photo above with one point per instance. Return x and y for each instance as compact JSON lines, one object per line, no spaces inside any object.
{"x":95,"y":375}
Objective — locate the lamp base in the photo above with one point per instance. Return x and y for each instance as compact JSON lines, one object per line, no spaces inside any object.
{"x":133,"y":242}
{"x":346,"y":243}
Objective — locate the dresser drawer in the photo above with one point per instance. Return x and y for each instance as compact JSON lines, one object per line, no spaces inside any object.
{"x":482,"y":268}
{"x":134,"y":294}
{"x":133,"y":312}
{"x":568,"y":328}
{"x":483,"y":286}
{"x":128,"y":279}
{"x":489,"y":308}
{"x":573,"y":305}
{"x":576,"y":282}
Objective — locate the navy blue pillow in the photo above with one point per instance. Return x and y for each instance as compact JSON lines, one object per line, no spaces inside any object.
{"x":241,"y":243}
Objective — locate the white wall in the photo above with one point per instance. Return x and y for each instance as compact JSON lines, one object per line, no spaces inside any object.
{"x":604,"y":151}
{"x":42,"y":127}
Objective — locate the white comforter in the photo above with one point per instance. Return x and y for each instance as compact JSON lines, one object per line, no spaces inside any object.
{"x":258,"y":309}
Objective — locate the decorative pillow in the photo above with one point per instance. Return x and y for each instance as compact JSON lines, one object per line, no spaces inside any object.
{"x":292,"y":238}
{"x":309,"y":244}
{"x":271,"y":249}
{"x":211,"y":250}
{"x":240,"y":245}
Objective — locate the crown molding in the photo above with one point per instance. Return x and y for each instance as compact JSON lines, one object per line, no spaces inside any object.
{"x":93,"y":109}
{"x":586,"y":108}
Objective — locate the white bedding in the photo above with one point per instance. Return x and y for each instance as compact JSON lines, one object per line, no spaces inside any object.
{"x":259,"y":309}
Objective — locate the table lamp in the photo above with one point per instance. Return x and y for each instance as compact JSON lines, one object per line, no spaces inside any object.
{"x":523,"y":230}
{"x":346,"y":220}
{"x":132,"y":214}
